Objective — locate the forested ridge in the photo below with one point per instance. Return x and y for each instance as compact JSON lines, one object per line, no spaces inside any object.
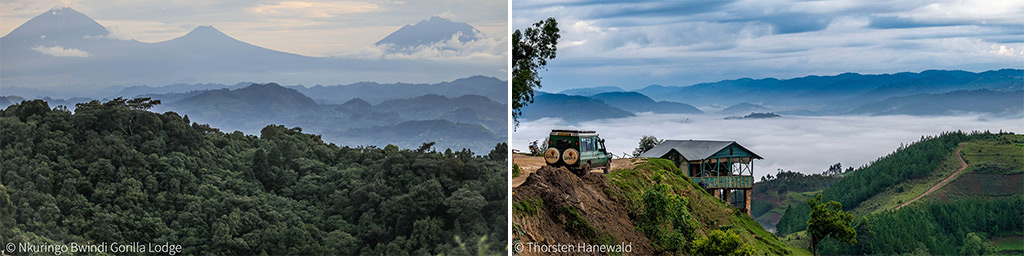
{"x":114,"y":172}
{"x":907,"y":162}
{"x":956,"y":223}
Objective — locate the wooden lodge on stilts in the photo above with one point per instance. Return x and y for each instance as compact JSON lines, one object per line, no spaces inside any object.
{"x":723,"y":168}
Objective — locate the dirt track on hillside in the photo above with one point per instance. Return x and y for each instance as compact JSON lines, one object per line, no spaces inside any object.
{"x":937,"y":186}
{"x":530,"y":164}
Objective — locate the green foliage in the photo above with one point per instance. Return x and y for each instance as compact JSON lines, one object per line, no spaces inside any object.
{"x":664,"y":219}
{"x":112,"y":172}
{"x":646,"y":143}
{"x":531,"y":50}
{"x":975,"y":245}
{"x":907,"y":162}
{"x":789,"y":181}
{"x":938,"y":228}
{"x":528,"y":206}
{"x":704,"y":210}
{"x":829,"y":220}
{"x":758,"y":208}
{"x":720,"y":242}
{"x":516,"y":171}
{"x":576,"y":225}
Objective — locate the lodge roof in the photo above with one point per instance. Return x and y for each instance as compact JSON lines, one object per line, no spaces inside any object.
{"x":692,"y":149}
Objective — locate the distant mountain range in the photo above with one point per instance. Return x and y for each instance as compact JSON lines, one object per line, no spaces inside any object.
{"x":570,"y":108}
{"x":65,"y":50}
{"x":933,"y":92}
{"x":836,"y":94}
{"x":469,"y":121}
{"x":493,"y":88}
{"x":957,"y":102}
{"x":456,"y":110}
{"x":591,"y":90}
{"x":636,"y":102}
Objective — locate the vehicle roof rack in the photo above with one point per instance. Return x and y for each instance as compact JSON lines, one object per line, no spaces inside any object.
{"x":572,"y":131}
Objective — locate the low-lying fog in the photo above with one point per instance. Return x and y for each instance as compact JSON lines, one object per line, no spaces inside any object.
{"x":799,"y":143}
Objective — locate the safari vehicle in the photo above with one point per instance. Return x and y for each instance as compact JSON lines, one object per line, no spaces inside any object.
{"x":577,"y":150}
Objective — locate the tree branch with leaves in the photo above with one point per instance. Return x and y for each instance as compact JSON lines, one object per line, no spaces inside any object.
{"x":531,"y":50}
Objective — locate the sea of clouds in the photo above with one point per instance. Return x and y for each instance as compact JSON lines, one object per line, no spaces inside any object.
{"x":807,"y":144}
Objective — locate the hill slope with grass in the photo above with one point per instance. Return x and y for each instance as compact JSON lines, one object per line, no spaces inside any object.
{"x":652,"y":206}
{"x":949,"y":209}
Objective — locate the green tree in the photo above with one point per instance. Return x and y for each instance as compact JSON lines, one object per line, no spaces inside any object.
{"x":646,"y":143}
{"x":975,"y":245}
{"x":829,"y":219}
{"x":721,"y":243}
{"x":664,"y":218}
{"x":531,"y":50}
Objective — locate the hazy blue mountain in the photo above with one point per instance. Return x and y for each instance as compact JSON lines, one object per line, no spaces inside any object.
{"x":637,"y":102}
{"x":57,"y":26}
{"x":251,"y":108}
{"x":412,"y":134}
{"x":467,"y":108}
{"x":591,"y":90}
{"x":355,"y":105}
{"x":743,"y":108}
{"x":137,"y":90}
{"x":427,"y":32}
{"x":570,"y":108}
{"x":10,"y":100}
{"x":493,"y":88}
{"x":1006,"y":103}
{"x":835,"y":94}
{"x":69,"y":103}
{"x":64,"y":50}
{"x":255,"y":101}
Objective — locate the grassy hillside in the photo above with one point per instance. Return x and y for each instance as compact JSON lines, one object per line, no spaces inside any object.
{"x":984,"y":199}
{"x":554,"y":206}
{"x":709,"y":213}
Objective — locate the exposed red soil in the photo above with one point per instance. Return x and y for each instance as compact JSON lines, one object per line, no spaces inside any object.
{"x":559,"y":188}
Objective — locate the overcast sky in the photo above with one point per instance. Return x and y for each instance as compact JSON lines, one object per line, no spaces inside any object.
{"x":308,"y":27}
{"x":632,"y":44}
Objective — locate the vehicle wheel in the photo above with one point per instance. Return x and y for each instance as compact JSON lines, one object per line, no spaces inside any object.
{"x":551,"y":156}
{"x":608,"y":167}
{"x":584,"y":169}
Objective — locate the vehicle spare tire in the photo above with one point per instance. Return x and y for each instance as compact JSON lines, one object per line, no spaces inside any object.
{"x":570,"y":156}
{"x":551,"y":156}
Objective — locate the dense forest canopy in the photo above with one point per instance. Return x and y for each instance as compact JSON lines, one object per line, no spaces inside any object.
{"x":113,"y":172}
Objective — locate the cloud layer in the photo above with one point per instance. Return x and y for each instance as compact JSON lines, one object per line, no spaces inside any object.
{"x":58,"y":51}
{"x":803,"y":144}
{"x":634,"y":44}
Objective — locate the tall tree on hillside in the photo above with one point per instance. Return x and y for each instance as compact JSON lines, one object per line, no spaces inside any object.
{"x":531,"y":50}
{"x":829,"y":219}
{"x":646,"y":143}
